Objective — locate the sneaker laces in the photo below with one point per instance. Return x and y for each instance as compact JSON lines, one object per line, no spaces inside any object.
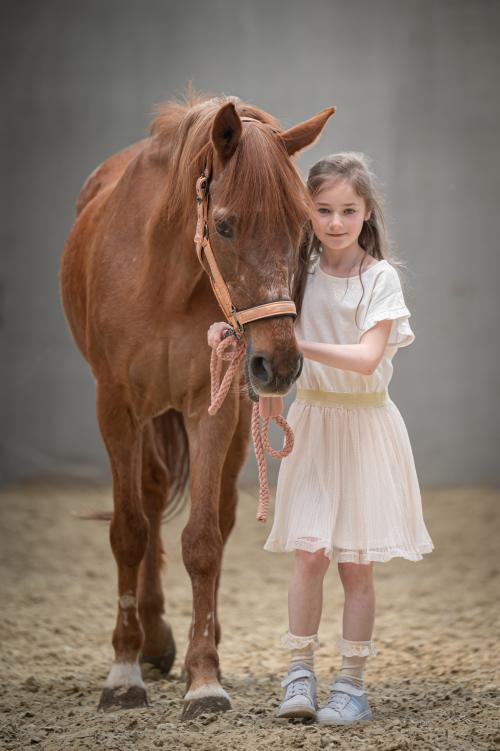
{"x":338,"y":700}
{"x":298,"y":687}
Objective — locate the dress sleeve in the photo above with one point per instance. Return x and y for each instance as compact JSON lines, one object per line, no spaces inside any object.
{"x":387,"y":303}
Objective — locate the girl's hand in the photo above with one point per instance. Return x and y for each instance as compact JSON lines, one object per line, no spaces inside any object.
{"x":216,"y":333}
{"x":270,"y":406}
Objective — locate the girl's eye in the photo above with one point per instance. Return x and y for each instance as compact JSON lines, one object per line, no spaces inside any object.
{"x":323,"y":211}
{"x":350,"y":211}
{"x":224,"y":229}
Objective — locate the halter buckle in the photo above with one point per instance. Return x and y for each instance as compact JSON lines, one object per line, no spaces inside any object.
{"x":238,"y":328}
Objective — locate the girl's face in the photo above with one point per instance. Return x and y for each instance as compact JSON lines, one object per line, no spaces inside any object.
{"x":339,"y":215}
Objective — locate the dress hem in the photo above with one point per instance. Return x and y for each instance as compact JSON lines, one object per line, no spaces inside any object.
{"x":350,"y":556}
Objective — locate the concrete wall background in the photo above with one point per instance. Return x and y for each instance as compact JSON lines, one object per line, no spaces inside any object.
{"x":415,"y":88}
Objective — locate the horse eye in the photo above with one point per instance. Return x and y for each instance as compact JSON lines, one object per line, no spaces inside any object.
{"x":224,"y":229}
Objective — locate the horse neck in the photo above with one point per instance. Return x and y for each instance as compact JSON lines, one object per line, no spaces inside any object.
{"x":172,"y":268}
{"x":170,"y":271}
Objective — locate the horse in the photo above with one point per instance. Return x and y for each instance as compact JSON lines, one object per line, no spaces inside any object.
{"x":138,"y":303}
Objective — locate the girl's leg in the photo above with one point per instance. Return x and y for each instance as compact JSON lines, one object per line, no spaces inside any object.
{"x":358,"y":619}
{"x":305,"y":602}
{"x":305,"y":596}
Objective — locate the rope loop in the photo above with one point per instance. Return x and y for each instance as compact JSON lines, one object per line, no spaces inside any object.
{"x":230,"y":350}
{"x":233,"y":350}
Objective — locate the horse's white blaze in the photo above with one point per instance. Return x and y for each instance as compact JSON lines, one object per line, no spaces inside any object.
{"x":124,"y":675}
{"x":273,"y":292}
{"x":209,"y":689}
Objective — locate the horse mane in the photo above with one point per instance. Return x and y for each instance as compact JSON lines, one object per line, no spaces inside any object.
{"x":262,"y":187}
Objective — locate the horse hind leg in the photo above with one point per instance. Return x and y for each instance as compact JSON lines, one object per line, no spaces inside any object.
{"x":158,"y":650}
{"x":124,"y":687}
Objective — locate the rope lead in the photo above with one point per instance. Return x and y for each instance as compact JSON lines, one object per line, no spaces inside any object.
{"x":233,"y":351}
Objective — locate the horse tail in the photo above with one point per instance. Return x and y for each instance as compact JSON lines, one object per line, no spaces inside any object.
{"x":173,"y":446}
{"x":94,"y":516}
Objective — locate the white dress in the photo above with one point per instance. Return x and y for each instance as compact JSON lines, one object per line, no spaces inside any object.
{"x":350,"y":486}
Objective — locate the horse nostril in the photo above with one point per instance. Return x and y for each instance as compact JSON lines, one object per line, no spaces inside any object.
{"x":261,"y":368}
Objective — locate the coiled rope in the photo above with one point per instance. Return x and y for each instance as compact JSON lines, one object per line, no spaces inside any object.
{"x":232,"y":350}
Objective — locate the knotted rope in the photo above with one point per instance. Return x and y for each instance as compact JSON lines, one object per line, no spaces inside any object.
{"x":233,"y":351}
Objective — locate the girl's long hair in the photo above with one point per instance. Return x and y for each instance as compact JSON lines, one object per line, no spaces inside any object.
{"x":373,"y":238}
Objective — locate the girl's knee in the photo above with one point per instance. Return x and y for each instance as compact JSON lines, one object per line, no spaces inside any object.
{"x":311,"y":564}
{"x":356,"y":575}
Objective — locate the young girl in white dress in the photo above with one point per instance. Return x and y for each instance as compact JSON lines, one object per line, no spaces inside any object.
{"x":349,"y":490}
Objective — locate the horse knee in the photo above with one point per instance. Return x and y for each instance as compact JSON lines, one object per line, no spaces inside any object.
{"x":128,"y":534}
{"x":201,"y":552}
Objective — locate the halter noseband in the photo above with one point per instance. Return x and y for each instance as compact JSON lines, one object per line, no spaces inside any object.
{"x":236,"y":318}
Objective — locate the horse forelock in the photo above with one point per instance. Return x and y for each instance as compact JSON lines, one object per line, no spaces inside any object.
{"x":260,"y":185}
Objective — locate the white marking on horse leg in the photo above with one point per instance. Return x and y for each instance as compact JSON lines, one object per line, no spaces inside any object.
{"x":209,"y":618}
{"x":124,"y":675}
{"x":203,"y":692}
{"x":127,"y":602}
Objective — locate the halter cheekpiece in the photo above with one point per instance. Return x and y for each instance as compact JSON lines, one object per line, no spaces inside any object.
{"x":236,"y":318}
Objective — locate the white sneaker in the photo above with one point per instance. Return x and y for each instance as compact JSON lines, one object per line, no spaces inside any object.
{"x":300,"y":696}
{"x":345,"y":705}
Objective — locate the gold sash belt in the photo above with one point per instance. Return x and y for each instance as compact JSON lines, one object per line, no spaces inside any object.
{"x":336,"y":398}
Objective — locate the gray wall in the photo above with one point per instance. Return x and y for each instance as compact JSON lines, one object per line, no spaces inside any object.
{"x":415,"y":87}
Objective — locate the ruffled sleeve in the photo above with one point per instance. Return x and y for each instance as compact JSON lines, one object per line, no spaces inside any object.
{"x":387,"y":303}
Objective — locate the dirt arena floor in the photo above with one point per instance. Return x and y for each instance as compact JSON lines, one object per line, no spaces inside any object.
{"x":432,"y":685}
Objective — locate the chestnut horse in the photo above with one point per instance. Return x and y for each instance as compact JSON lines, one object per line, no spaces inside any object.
{"x":139,"y":305}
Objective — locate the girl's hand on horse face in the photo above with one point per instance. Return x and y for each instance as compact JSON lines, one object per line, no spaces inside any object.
{"x":216,"y":333}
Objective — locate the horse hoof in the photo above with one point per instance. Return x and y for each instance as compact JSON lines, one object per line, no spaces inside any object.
{"x":158,"y":653}
{"x":133,"y":697}
{"x":150,"y":666}
{"x":208,"y":704}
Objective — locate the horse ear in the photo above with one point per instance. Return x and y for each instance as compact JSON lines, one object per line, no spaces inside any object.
{"x":226,"y":131}
{"x":306,"y":133}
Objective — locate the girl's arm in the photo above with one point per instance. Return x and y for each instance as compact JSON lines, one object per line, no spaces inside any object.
{"x":362,"y":358}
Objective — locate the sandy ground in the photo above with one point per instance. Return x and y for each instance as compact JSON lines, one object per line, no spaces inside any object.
{"x":432,"y":685}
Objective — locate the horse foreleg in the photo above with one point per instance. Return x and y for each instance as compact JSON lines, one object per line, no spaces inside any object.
{"x":229,"y":494}
{"x":158,"y":649}
{"x":202,"y":545}
{"x":124,"y":687}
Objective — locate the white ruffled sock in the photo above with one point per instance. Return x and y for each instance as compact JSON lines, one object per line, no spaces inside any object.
{"x":302,"y":650}
{"x":354,"y":656}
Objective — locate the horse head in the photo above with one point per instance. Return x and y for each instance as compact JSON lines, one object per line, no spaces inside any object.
{"x":257,"y":208}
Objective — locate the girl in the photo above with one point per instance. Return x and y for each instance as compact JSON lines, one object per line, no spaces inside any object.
{"x":349,"y":490}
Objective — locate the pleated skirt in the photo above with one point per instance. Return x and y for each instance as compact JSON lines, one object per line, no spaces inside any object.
{"x":349,"y":486}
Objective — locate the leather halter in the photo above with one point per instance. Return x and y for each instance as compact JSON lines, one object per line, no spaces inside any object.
{"x":236,"y":318}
